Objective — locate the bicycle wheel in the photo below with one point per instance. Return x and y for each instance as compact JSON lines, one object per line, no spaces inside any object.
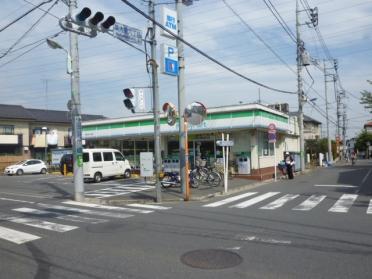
{"x":194,"y":183}
{"x":214,"y":179}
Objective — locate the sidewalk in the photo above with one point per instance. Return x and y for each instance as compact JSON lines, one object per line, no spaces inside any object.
{"x":174,"y":194}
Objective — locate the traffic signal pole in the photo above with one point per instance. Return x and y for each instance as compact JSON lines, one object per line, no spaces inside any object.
{"x":155,"y":90}
{"x":76,"y":112}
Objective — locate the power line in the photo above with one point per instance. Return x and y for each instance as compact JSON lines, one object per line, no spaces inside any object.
{"x":22,"y":16}
{"x":28,"y":31}
{"x":203,"y":53}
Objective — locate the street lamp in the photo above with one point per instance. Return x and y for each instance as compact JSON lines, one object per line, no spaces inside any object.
{"x":45,"y":129}
{"x":54,"y":45}
{"x":73,"y":71}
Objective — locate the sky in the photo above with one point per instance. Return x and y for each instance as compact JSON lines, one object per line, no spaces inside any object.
{"x":34,"y":75}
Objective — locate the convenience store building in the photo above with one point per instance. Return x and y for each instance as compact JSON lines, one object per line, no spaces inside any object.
{"x":246,"y":124}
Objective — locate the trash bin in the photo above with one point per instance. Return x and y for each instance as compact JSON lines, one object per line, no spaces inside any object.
{"x":244,"y":165}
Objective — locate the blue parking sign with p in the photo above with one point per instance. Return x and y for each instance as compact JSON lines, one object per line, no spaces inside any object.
{"x":170,"y":60}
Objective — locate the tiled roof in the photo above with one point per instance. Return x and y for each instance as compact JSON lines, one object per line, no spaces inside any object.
{"x":39,"y":115}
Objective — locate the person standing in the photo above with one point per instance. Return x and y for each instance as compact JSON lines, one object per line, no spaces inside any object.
{"x":289,"y":162}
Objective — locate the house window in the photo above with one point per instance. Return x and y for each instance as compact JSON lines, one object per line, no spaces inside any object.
{"x":7,"y":129}
{"x":264,"y":147}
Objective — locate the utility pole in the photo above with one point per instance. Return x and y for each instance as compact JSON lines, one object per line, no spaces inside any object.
{"x":181,"y":98}
{"x":344,"y":116}
{"x":299,"y":88}
{"x":155,"y":93}
{"x":76,"y":112}
{"x":330,"y":156}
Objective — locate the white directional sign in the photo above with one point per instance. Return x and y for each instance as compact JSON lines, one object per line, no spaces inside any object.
{"x":169,"y":60}
{"x":127,"y":33}
{"x":225,"y":143}
{"x":169,"y":20}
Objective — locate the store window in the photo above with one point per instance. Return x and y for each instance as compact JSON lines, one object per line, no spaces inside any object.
{"x":264,"y":147}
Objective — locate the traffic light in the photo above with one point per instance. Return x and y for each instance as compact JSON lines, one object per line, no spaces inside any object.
{"x":129,"y":102}
{"x":88,"y":27}
{"x":314,"y":16}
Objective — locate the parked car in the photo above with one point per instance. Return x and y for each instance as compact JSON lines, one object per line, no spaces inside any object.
{"x":67,"y":160}
{"x":104,"y":162}
{"x":26,"y":166}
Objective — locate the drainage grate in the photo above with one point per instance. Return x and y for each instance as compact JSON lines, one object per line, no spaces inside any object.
{"x":211,"y":259}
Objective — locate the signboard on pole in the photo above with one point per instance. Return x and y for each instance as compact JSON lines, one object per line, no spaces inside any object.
{"x":169,"y":20}
{"x":169,"y":60}
{"x":127,"y":33}
{"x":147,"y":164}
{"x":141,"y":100}
{"x":271,"y":132}
{"x":225,"y":143}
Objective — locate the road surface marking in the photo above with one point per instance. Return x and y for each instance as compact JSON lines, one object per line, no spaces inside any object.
{"x":73,"y":218}
{"x":310,"y":203}
{"x":369,"y":210}
{"x":16,"y":237}
{"x":255,"y":200}
{"x":39,"y":224}
{"x":344,"y":203}
{"x":149,"y":206}
{"x":279,"y":202}
{"x":229,"y":200}
{"x":336,"y":185}
{"x":365,"y":178}
{"x":100,"y":206}
{"x":261,"y":239}
{"x":67,"y":209}
{"x":6,"y":199}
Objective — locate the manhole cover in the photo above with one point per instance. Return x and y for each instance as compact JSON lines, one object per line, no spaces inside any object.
{"x":211,"y":259}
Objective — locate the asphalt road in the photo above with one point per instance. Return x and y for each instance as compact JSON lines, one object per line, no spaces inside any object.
{"x":318,"y":225}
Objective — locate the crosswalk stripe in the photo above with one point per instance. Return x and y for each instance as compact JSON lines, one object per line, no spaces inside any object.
{"x":344,"y":203}
{"x":39,"y":224}
{"x":100,"y":206}
{"x":16,"y":237}
{"x":229,"y":200}
{"x":149,"y":206}
{"x":369,"y":210}
{"x":279,"y":202}
{"x":255,"y":200}
{"x":72,"y":218}
{"x":310,"y":203}
{"x":53,"y":208}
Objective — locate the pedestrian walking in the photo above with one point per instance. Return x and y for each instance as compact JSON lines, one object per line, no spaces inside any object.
{"x":289,"y":163}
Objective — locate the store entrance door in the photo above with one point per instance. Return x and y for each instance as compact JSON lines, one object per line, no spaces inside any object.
{"x":204,"y":149}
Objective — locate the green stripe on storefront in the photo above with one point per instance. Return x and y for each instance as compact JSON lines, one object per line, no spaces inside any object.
{"x":215,"y":116}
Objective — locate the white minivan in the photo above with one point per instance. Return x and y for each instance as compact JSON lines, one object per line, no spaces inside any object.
{"x":104,"y":162}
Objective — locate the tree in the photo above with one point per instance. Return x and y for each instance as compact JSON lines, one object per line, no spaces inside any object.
{"x":362,"y":139}
{"x":366,"y":98}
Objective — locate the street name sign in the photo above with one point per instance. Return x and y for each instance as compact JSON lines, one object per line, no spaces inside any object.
{"x":127,"y":33}
{"x":227,"y":143}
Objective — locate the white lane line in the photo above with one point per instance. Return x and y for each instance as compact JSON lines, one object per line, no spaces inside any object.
{"x":255,"y":200}
{"x":6,"y":199}
{"x":16,"y":237}
{"x":336,"y":185}
{"x":39,"y":224}
{"x":229,"y":200}
{"x":344,"y":203}
{"x":52,"y":208}
{"x":369,"y":210}
{"x":109,"y":207}
{"x":73,"y":218}
{"x":149,"y":206}
{"x":279,"y":202}
{"x":261,"y":239}
{"x":365,"y":178}
{"x":310,"y":203}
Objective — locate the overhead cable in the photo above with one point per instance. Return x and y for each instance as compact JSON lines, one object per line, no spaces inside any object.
{"x":203,"y":53}
{"x":22,"y":16}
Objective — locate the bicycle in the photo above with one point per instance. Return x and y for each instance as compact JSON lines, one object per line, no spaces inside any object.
{"x":174,"y":179}
{"x":206,"y":175}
